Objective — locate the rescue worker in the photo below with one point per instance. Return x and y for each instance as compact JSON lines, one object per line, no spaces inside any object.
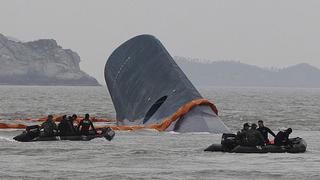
{"x":264,"y":131}
{"x":65,"y":127}
{"x":84,"y":126}
{"x":72,"y":120}
{"x":242,"y":136}
{"x":282,"y":138}
{"x":49,"y":127}
{"x":255,"y":138}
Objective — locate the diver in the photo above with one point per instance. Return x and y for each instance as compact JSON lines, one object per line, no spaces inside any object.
{"x":282,"y":138}
{"x":255,"y":138}
{"x":66,"y":127}
{"x":49,"y":127}
{"x":242,"y":136}
{"x":264,"y":131}
{"x":84,"y":126}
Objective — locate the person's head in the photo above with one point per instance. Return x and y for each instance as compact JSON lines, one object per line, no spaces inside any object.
{"x":289,"y":130}
{"x":74,"y":116}
{"x":70,"y":118}
{"x":260,"y":123}
{"x":50,"y":117}
{"x":86,"y":116}
{"x":64,"y":117}
{"x":246,"y":126}
{"x":253,"y":126}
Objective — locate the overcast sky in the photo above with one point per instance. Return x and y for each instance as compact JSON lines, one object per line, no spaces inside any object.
{"x":264,"y":33}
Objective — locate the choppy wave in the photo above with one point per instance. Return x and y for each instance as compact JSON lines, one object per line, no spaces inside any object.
{"x":152,"y":155}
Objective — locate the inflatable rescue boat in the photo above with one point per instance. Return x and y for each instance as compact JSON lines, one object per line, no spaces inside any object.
{"x":228,"y":144}
{"x":32,"y":133}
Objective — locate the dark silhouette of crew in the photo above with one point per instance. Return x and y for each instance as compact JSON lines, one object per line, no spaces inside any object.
{"x":66,"y":127}
{"x":264,"y":131}
{"x":242,"y":135}
{"x":84,"y":126}
{"x":72,"y":120}
{"x":255,"y":138}
{"x":49,"y":127}
{"x":282,"y":138}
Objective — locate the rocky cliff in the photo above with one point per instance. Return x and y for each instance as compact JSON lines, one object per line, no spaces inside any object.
{"x":41,"y":62}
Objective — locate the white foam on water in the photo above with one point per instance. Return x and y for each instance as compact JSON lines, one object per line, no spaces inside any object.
{"x":7,"y":139}
{"x":172,"y":132}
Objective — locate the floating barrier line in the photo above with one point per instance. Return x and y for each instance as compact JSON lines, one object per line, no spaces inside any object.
{"x":167,"y":122}
{"x":158,"y":126}
{"x":12,"y":126}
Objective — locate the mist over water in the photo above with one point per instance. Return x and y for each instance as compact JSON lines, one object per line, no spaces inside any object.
{"x":149,"y":154}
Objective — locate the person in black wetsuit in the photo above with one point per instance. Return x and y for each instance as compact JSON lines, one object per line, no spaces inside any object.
{"x":255,"y":138}
{"x":264,"y":131}
{"x":282,"y":138}
{"x":49,"y":127}
{"x":66,"y":127}
{"x":242,"y":136}
{"x":72,"y":120}
{"x":84,"y":126}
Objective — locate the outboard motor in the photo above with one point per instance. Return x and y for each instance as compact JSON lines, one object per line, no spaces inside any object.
{"x":29,"y":134}
{"x":298,"y":145}
{"x":109,"y":133}
{"x":228,"y":141}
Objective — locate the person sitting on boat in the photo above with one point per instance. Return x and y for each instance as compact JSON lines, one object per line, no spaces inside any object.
{"x":255,"y":138}
{"x":66,"y":127}
{"x":72,"y":120}
{"x":49,"y":127}
{"x":84,"y":126}
{"x":282,"y":138}
{"x":242,"y":136}
{"x":264,"y":131}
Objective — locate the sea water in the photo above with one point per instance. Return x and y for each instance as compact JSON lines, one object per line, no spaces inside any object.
{"x":149,"y":154}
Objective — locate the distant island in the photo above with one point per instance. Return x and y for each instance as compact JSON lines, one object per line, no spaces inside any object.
{"x":44,"y":62}
{"x":41,"y":62}
{"x":231,"y":73}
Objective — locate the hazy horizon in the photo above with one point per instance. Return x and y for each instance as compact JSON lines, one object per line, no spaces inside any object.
{"x":265,"y":33}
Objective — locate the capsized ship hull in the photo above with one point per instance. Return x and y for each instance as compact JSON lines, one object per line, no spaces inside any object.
{"x":147,"y":86}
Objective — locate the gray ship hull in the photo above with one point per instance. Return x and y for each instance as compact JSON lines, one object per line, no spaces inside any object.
{"x":147,"y":86}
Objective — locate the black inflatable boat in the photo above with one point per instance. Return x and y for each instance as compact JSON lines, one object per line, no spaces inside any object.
{"x":228,"y":144}
{"x":32,"y":133}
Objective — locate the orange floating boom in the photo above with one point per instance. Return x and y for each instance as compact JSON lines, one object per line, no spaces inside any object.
{"x":12,"y":126}
{"x":160,"y":126}
{"x":167,"y":122}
